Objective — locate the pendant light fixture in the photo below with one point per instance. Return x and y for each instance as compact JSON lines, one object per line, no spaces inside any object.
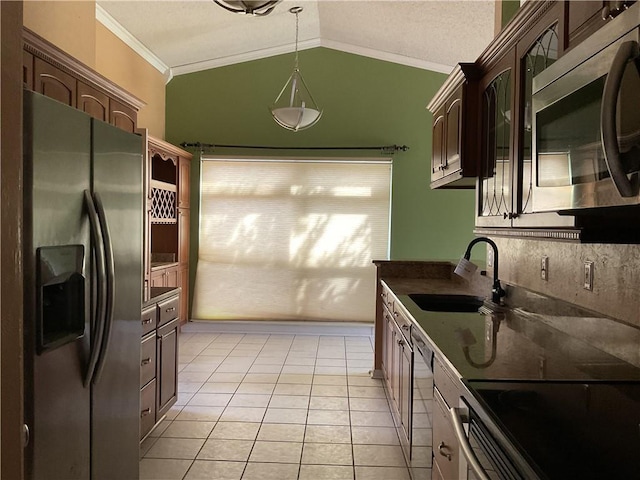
{"x":294,"y":108}
{"x":257,"y":8}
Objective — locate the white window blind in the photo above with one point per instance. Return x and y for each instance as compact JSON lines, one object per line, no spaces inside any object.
{"x":291,"y":239}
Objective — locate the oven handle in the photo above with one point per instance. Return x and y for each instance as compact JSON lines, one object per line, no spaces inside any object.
{"x":457,"y":415}
{"x":612,"y":156}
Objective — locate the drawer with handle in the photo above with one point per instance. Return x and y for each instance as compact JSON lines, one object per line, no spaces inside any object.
{"x":147,"y":359}
{"x":147,"y":408}
{"x":148,"y":319}
{"x":169,"y":309}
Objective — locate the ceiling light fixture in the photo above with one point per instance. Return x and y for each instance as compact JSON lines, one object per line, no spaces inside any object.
{"x":257,"y":8}
{"x":297,"y":109}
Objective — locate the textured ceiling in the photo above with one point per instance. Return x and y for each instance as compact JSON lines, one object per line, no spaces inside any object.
{"x":192,"y":35}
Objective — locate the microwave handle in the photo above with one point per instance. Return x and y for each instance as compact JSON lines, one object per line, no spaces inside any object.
{"x":612,"y":156}
{"x":457,"y":415}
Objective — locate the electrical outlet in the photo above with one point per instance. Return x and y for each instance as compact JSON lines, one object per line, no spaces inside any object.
{"x":544,"y":268}
{"x":588,"y":276}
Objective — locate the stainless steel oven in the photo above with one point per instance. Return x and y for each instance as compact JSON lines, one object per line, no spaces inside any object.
{"x":483,"y":457}
{"x":586,"y":122}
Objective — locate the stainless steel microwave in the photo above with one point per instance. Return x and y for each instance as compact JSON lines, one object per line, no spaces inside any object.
{"x":586,"y":122}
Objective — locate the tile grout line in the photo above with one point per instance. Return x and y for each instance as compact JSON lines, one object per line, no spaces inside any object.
{"x":254,"y":355}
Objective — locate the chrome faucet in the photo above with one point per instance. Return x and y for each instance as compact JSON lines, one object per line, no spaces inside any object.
{"x":496,"y":291}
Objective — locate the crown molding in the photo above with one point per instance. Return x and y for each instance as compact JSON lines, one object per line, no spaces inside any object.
{"x":387,"y":56}
{"x":307,"y":44}
{"x":123,"y":34}
{"x":244,"y":57}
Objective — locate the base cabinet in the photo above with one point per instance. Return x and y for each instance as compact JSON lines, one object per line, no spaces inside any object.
{"x":167,"y":373}
{"x":165,"y":277}
{"x":397,"y":365}
{"x":158,"y":361}
{"x":446,"y":449}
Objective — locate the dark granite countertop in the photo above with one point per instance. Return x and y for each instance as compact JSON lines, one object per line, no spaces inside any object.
{"x":158,"y":294}
{"x":542,"y":340}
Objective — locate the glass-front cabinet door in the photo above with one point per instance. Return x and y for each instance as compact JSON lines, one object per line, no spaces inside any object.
{"x":505,"y":183}
{"x":540,"y":55}
{"x":495,"y":182}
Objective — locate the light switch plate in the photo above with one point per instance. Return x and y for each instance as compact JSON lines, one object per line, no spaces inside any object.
{"x":588,"y":276}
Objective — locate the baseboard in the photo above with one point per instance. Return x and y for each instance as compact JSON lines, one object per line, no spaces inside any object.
{"x":350,"y":329}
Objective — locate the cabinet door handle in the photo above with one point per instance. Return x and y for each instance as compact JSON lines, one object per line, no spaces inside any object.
{"x":145,"y":361}
{"x":145,"y":412}
{"x":395,"y":314}
{"x":401,"y":342}
{"x":171,"y":309}
{"x":405,"y":327}
{"x":147,"y":321}
{"x":441,"y":451}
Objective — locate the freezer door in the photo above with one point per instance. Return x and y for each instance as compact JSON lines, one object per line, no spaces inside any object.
{"x":56,"y":255}
{"x":117,"y":188}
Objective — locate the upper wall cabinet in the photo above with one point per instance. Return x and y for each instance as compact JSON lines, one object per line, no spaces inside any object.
{"x":454,"y":160}
{"x":505,"y":181}
{"x":51,"y":72}
{"x":583,"y":17}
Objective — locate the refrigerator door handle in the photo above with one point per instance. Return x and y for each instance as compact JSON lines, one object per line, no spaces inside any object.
{"x":111,"y":285}
{"x":97,"y":327}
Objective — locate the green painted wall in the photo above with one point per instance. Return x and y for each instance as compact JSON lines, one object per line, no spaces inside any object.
{"x":509,"y":9}
{"x":365,"y":102}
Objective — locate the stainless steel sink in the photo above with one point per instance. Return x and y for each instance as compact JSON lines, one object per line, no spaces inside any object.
{"x":447,"y":303}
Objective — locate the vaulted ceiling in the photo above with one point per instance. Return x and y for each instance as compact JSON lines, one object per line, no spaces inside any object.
{"x":192,"y":35}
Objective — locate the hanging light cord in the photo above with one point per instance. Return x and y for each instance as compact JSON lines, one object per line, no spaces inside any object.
{"x":384,"y":149}
{"x":297,"y":29}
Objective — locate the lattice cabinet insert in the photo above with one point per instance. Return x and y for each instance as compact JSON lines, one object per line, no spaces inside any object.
{"x":163,"y":202}
{"x":167,"y":236}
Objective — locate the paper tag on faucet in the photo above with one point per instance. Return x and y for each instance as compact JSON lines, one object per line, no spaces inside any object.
{"x":465,"y":269}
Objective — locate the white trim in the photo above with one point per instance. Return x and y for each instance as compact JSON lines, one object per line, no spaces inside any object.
{"x":123,"y":34}
{"x":307,"y":44}
{"x":291,"y":328}
{"x":387,"y":56}
{"x":243,"y":57}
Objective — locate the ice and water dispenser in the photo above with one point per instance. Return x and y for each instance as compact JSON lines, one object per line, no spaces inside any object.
{"x":60,"y":288}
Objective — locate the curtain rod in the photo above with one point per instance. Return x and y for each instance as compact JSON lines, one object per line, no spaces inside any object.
{"x":385,"y":149}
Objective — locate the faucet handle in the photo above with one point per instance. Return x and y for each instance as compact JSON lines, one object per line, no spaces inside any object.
{"x":497,"y":292}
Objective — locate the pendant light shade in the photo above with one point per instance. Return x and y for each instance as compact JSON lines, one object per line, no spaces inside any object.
{"x":294,"y":108}
{"x":248,"y":7}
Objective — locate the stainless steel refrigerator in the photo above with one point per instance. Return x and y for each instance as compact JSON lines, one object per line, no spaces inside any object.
{"x":83,"y":294}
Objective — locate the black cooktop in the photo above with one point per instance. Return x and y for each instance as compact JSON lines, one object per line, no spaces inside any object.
{"x":568,"y":429}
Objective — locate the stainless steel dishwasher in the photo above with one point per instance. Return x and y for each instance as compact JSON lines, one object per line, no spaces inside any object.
{"x":422,"y":416}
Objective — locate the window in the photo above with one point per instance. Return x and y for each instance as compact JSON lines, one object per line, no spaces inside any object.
{"x":291,"y":239}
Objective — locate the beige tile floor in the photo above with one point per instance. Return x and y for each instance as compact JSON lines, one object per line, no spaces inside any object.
{"x":273,"y":406}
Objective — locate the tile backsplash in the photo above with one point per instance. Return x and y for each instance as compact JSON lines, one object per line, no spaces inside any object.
{"x":616,"y":273}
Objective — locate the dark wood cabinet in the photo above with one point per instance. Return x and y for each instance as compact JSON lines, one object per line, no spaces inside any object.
{"x":27,"y":70}
{"x":184,"y":182}
{"x":167,"y":276}
{"x":455,"y":155}
{"x":54,"y":83}
{"x":446,"y":449}
{"x":92,"y":101}
{"x":168,"y":217}
{"x":584,"y":17}
{"x":397,"y":365}
{"x":183,"y":235}
{"x":122,"y":116}
{"x":158,"y":361}
{"x":505,"y":187}
{"x":495,"y":187}
{"x":52,"y":72}
{"x":184,"y":287}
{"x":167,"y":373}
